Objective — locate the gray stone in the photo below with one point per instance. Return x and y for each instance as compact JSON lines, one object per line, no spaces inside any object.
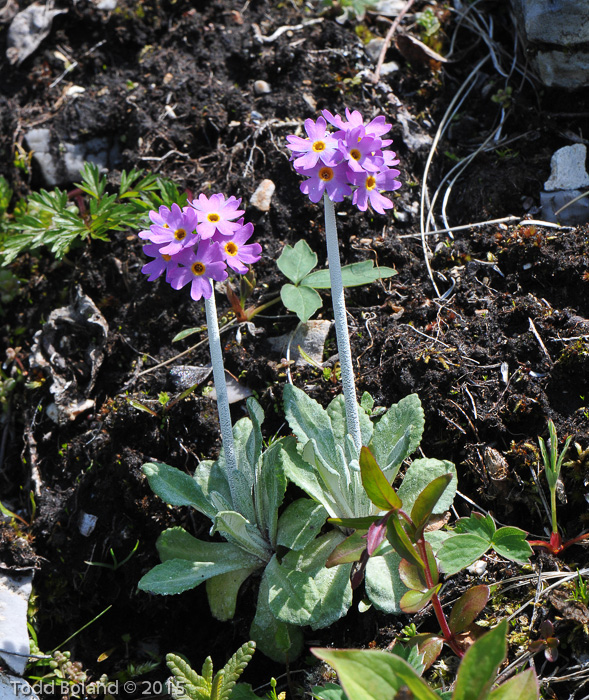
{"x":555,"y":34}
{"x":576,"y":214}
{"x":563,"y":69}
{"x":568,"y":169}
{"x":62,"y":163}
{"x":563,"y":22}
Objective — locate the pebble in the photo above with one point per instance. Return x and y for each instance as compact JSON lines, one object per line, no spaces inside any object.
{"x":261,"y":87}
{"x":262,"y":197}
{"x":568,"y":169}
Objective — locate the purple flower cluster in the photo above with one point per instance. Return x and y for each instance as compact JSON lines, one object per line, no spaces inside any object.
{"x":350,"y":161}
{"x":194,"y":245}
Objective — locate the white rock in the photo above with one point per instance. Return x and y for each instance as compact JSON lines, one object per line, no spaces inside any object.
{"x":15,"y":688}
{"x":309,"y":336}
{"x":262,"y":197}
{"x":261,"y":87}
{"x":568,"y":169}
{"x":14,"y":635}
{"x":563,"y":22}
{"x":28,"y":29}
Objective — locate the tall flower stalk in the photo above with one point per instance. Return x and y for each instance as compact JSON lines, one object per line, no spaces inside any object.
{"x":194,"y":246}
{"x":351,"y":161}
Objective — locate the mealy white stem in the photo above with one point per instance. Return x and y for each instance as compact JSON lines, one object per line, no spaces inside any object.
{"x":221,"y":389}
{"x":341,"y":323}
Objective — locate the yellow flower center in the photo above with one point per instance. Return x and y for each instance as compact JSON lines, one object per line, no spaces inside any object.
{"x":231,"y":248}
{"x":326,"y":174}
{"x":166,"y":225}
{"x":370,"y":182}
{"x":166,"y":257}
{"x":355,"y":153}
{"x":213,"y":217}
{"x":180,"y":234}
{"x":319,"y":146}
{"x":198,"y":269}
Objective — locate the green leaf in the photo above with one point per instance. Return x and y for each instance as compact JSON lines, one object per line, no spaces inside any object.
{"x":269,"y":489}
{"x":383,"y":584}
{"x":510,"y":542}
{"x":353,"y":275}
{"x":277,"y":640}
{"x":237,"y":529}
{"x":188,"y":332}
{"x":478,"y":668}
{"x":303,"y":301}
{"x":348,"y":551}
{"x":477,"y":524}
{"x":426,"y":502}
{"x":222,"y":591}
{"x":307,"y":420}
{"x":300,"y":523}
{"x":293,"y":596}
{"x":356,"y":523}
{"x":187,"y":682}
{"x":524,"y":686}
{"x":397,"y":434}
{"x":419,"y":475}
{"x":175,"y":576}
{"x":176,"y":487}
{"x":401,"y":543}
{"x":414,"y":601}
{"x":234,"y":668}
{"x":375,"y":483}
{"x":295,"y":263}
{"x":329,"y":691}
{"x":374,"y":674}
{"x":460,"y":551}
{"x":467,"y":608}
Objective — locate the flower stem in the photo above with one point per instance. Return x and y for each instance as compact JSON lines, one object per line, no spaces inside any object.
{"x":221,"y":389}
{"x":341,"y":324}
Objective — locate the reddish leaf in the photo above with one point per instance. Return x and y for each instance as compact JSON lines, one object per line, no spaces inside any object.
{"x":467,"y":608}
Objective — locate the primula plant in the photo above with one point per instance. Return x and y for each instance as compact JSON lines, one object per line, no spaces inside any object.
{"x":351,"y":161}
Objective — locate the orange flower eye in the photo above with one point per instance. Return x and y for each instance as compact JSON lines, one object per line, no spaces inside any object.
{"x":213,"y":217}
{"x":180,"y":234}
{"x":370,"y":182}
{"x":355,"y":153}
{"x":198,"y":269}
{"x":166,"y":257}
{"x":326,"y":174}
{"x":231,"y":248}
{"x":318,"y":146}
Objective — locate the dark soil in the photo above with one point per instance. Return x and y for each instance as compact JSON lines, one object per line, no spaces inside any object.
{"x":503,"y":353}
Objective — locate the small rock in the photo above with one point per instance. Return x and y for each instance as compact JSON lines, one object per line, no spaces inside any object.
{"x":262,"y":197}
{"x":389,"y":68}
{"x":568,"y":169}
{"x":261,"y":87}
{"x":373,"y":48}
{"x":310,"y":337}
{"x":28,"y":29}
{"x":15,"y":590}
{"x":576,"y":214}
{"x":87,"y":524}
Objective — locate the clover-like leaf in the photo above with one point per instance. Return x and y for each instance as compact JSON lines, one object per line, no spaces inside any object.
{"x":295,"y":263}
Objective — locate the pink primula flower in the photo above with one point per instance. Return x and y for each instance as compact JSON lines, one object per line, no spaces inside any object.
{"x":174,"y":228}
{"x":324,"y":178}
{"x":368,"y":186}
{"x":162,"y":262}
{"x":376,"y":127}
{"x":200,"y":269}
{"x":359,"y":151}
{"x":237,"y":255}
{"x":320,"y":146}
{"x":216,"y":214}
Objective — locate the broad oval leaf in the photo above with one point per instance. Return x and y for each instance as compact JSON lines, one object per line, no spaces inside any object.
{"x":375,"y":483}
{"x":295,"y":263}
{"x":176,"y":487}
{"x":348,"y":551}
{"x":524,"y":686}
{"x":412,"y":576}
{"x":510,"y":542}
{"x":467,"y":608}
{"x":304,"y":301}
{"x":460,"y":551}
